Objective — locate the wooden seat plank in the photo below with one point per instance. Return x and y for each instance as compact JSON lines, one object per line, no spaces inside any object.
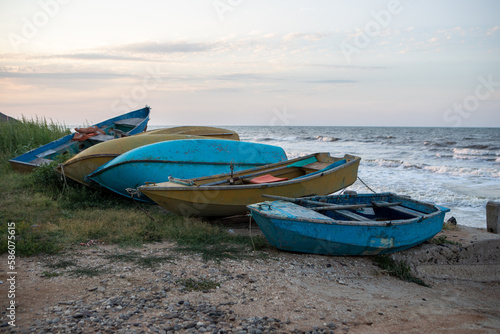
{"x":352,"y":215}
{"x":401,"y":209}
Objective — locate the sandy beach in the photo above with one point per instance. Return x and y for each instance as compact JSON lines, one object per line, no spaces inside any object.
{"x":279,"y":292}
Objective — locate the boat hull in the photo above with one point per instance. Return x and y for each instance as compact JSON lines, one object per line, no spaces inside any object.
{"x":154,"y":163}
{"x":292,"y":227}
{"x":113,"y":127}
{"x":228,"y":200}
{"x":86,"y":162}
{"x":205,"y":131}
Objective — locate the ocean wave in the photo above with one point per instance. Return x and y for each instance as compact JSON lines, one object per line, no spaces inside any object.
{"x":448,"y":170}
{"x":464,"y":171}
{"x":440,"y":144}
{"x":295,"y":138}
{"x":394,"y":164}
{"x":385,"y":137}
{"x":327,"y":139}
{"x":443,"y":155}
{"x":475,"y":154}
{"x":264,"y":139}
{"x":383,"y":162}
{"x":478,"y":147}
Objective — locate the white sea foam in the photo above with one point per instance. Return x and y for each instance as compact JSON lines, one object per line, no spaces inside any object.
{"x":438,"y":169}
{"x":327,"y":139}
{"x":453,"y":167}
{"x":469,"y":153}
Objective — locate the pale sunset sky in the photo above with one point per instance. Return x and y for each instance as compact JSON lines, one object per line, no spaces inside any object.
{"x":242,"y":62}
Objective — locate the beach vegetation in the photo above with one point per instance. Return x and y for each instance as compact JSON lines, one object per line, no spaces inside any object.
{"x":202,"y":284}
{"x":150,"y":261}
{"x":62,"y":264}
{"x":153,"y":261}
{"x":442,"y":240}
{"x":18,"y":137}
{"x":87,"y":271}
{"x":52,"y":214}
{"x":399,"y":269}
{"x":50,"y":274}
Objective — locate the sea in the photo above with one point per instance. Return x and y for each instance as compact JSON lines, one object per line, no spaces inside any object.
{"x":458,"y":168}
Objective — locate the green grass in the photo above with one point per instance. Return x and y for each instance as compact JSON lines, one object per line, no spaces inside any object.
{"x":398,"y":269}
{"x":87,"y":271}
{"x":203,"y":284}
{"x":143,"y":261}
{"x":443,"y":239}
{"x":50,"y":274}
{"x":62,"y":264}
{"x":51,"y":215}
{"x":123,"y":257}
{"x":154,"y":261}
{"x":17,"y":138}
{"x":214,"y":243}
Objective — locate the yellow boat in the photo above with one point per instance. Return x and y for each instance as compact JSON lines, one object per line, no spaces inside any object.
{"x":205,"y":131}
{"x":87,"y":161}
{"x":229,"y":194}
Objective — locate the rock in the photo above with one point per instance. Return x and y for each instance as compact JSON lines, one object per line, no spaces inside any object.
{"x":190,"y":325}
{"x":493,"y":217}
{"x":331,"y":325}
{"x":78,"y":315}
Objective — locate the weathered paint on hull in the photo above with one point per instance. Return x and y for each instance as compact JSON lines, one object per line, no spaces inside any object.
{"x":218,"y":201}
{"x":28,"y":161}
{"x":206,"y":131}
{"x":86,"y":162}
{"x":290,"y":227}
{"x":181,"y":158}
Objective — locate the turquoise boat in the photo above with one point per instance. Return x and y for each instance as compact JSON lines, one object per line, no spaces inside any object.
{"x":364,"y":224}
{"x":184,"y":159}
{"x":128,"y":124}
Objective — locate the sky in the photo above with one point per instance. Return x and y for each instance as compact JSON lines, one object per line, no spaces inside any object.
{"x":241,"y":62}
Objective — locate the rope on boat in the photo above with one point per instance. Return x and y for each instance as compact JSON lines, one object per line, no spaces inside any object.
{"x":366,"y":185}
{"x":64,"y":178}
{"x":133,"y":192}
{"x":250,"y":229}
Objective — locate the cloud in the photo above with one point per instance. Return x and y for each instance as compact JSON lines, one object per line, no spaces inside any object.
{"x":221,"y":90}
{"x":62,"y":76}
{"x":331,"y":81}
{"x":240,"y":76}
{"x":492,"y":30}
{"x":310,"y":37}
{"x":95,"y":56}
{"x":357,"y":67}
{"x":170,"y":47}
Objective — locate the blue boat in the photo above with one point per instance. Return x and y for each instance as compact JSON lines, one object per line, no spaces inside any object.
{"x":184,"y":159}
{"x":128,"y":124}
{"x":364,"y":224}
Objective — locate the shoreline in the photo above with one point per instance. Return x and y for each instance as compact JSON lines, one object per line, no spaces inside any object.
{"x":281,"y":292}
